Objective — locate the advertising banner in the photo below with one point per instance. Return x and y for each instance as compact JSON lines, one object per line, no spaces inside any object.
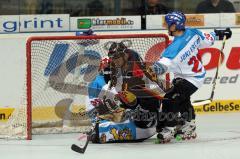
{"x":34,"y":23}
{"x":228,"y":81}
{"x":47,"y":23}
{"x":9,"y":24}
{"x":106,"y":23}
{"x":219,"y":106}
{"x":192,"y":20}
{"x":237,"y":19}
{"x":197,"y":20}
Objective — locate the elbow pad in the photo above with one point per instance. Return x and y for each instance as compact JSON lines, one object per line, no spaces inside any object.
{"x":159,"y":68}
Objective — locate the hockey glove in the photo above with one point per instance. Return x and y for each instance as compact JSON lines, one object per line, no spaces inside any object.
{"x":220,"y":33}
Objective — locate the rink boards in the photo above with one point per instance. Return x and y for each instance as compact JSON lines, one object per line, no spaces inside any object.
{"x":56,"y":113}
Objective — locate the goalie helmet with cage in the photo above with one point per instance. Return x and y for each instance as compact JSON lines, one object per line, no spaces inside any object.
{"x":117,"y":49}
{"x":177,"y":18}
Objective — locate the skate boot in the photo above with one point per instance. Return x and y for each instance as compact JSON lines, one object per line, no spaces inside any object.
{"x":166,"y":135}
{"x":187,"y":131}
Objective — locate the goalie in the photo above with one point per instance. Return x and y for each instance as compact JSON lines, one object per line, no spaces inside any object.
{"x":120,"y":112}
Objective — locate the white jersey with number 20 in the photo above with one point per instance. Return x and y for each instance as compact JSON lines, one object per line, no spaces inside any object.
{"x":180,"y":56}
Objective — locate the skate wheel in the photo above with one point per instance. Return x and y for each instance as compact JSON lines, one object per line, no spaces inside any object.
{"x":159,"y":136}
{"x":157,"y":141}
{"x":194,"y":136}
{"x":178,"y":138}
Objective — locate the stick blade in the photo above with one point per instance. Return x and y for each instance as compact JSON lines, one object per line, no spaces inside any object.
{"x":201,"y":102}
{"x":77,"y":149}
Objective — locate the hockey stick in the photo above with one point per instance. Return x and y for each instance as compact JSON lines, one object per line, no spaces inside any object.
{"x":82,"y":150}
{"x":209,"y":100}
{"x":79,"y":149}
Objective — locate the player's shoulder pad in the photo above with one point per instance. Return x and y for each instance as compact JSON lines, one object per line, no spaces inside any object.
{"x":173,"y":49}
{"x":180,"y":42}
{"x":196,"y":31}
{"x":202,"y":34}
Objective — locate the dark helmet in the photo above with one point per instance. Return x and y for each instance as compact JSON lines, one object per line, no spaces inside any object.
{"x":177,"y":18}
{"x":116,"y":50}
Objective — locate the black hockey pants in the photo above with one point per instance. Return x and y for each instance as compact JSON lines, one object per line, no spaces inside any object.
{"x":178,"y":108}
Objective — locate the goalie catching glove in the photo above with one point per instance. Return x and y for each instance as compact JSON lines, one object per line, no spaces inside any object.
{"x":108,"y":109}
{"x":220,"y":33}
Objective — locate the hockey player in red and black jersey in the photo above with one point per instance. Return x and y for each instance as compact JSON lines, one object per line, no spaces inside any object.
{"x":124,"y":112}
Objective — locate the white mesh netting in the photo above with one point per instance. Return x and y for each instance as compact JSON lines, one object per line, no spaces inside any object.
{"x":60,"y":70}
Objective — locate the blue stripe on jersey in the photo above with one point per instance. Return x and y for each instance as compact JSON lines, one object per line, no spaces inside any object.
{"x":180,"y":42}
{"x":196,"y":31}
{"x":214,"y":35}
{"x":95,"y":87}
{"x":201,"y":76}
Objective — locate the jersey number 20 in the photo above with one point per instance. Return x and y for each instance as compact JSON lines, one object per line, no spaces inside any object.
{"x":194,"y":60}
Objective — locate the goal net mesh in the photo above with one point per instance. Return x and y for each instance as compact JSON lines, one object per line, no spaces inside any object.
{"x":58,"y":72}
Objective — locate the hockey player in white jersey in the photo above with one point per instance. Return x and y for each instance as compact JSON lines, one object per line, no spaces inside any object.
{"x":181,"y":58}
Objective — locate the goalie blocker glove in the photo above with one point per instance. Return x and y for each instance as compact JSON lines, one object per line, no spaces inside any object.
{"x":220,"y":33}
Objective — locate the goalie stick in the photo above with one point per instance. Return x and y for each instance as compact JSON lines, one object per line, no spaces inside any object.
{"x":209,"y":100}
{"x":82,"y":150}
{"x":79,"y":149}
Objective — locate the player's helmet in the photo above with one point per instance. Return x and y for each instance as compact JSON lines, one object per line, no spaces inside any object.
{"x":116,"y":50}
{"x":177,"y":18}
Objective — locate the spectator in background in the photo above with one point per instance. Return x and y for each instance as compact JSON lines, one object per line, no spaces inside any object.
{"x":74,"y":8}
{"x":46,"y":7}
{"x":153,"y":7}
{"x":215,"y":6}
{"x":95,"y":8}
{"x":30,"y":6}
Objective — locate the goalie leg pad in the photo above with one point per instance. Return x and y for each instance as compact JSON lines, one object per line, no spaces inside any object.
{"x":116,"y":132}
{"x":127,"y":131}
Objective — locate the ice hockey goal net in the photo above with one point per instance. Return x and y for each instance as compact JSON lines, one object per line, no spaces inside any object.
{"x":58,"y":71}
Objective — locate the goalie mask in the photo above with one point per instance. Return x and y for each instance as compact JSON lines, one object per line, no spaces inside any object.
{"x":116,"y":50}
